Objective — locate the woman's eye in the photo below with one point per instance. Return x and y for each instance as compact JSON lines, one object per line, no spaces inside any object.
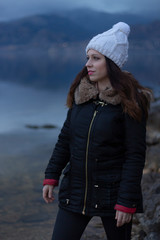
{"x":93,"y":58}
{"x":96,"y":58}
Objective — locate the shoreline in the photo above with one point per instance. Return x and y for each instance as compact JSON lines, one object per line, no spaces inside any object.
{"x":24,"y":214}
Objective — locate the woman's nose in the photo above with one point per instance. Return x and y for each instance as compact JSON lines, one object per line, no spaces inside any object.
{"x":89,"y":63}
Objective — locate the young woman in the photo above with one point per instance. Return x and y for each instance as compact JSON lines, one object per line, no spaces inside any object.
{"x":101,"y":144}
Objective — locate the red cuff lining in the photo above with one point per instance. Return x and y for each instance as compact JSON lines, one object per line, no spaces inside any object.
{"x":50,"y":182}
{"x":124,"y":209}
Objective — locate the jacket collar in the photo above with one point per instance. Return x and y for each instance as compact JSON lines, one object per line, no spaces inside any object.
{"x":87,"y":90}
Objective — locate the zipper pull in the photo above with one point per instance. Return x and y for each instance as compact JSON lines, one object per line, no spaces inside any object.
{"x":95,"y":112}
{"x":67,"y":201}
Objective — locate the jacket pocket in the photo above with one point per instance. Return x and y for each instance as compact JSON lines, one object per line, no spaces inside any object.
{"x":106,"y":195}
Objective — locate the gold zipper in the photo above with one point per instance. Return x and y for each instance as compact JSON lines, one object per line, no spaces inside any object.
{"x":86,"y":166}
{"x":97,"y":102}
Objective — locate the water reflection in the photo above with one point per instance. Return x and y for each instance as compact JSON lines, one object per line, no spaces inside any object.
{"x":21,"y":105}
{"x":56,"y":66}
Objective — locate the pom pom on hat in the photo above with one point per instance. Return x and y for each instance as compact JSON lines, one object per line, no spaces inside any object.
{"x":112,"y":43}
{"x":121,"y":26}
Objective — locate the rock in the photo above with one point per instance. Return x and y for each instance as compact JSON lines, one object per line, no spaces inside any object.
{"x":152,"y":167}
{"x":149,"y":222}
{"x":153,"y":125}
{"x":137,"y":231}
{"x":154,"y":117}
{"x":152,"y":236}
{"x":152,"y":136}
{"x":152,"y":159}
{"x":46,"y":126}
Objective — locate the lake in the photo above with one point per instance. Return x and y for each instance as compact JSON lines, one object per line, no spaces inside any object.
{"x":24,"y":156}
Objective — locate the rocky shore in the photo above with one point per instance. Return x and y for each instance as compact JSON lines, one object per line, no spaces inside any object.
{"x":147,"y":226}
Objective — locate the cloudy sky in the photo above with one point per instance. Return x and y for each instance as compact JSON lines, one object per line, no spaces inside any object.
{"x":11,"y":9}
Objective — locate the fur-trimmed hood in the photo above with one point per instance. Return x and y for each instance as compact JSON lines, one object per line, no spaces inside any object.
{"x":87,"y":90}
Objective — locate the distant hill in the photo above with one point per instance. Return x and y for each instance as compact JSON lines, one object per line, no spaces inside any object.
{"x":49,"y":50}
{"x":146,"y":36}
{"x":41,"y":29}
{"x":98,"y":21}
{"x":72,"y":26}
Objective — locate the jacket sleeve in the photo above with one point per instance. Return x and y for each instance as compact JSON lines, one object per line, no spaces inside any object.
{"x":61,"y":152}
{"x":135,"y":149}
{"x":51,"y":182}
{"x":125,"y":209}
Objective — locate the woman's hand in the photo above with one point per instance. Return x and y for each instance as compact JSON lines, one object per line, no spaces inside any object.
{"x":48,"y":193}
{"x":122,"y":218}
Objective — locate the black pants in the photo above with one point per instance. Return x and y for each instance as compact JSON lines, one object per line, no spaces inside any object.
{"x":70,"y":226}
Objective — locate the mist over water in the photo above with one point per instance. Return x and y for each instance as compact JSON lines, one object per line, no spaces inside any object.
{"x":21,"y":105}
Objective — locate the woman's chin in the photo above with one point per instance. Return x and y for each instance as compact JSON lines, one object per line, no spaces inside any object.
{"x":92,"y":79}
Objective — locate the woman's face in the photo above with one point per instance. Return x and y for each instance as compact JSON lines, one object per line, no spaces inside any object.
{"x":96,"y":66}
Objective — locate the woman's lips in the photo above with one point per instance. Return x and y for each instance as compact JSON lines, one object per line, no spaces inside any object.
{"x":90,"y":72}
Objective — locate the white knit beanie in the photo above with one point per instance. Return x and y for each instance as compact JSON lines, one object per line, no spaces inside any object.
{"x":112,"y":43}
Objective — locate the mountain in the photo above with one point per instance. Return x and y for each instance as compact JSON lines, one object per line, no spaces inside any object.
{"x":41,"y":29}
{"x":70,"y":26}
{"x":96,"y":21}
{"x":49,"y":50}
{"x":149,"y":31}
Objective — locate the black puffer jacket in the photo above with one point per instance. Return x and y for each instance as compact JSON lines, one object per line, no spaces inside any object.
{"x":103,"y":151}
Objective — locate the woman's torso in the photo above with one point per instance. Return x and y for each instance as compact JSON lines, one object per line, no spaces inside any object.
{"x":92,"y":177}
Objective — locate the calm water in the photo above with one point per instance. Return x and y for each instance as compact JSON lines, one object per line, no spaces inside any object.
{"x":23,"y":105}
{"x":24,"y":154}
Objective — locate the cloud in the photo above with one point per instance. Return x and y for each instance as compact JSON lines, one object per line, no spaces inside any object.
{"x":10,"y":9}
{"x":132,"y":5}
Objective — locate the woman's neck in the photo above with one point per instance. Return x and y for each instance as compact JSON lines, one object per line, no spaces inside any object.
{"x":102,"y":85}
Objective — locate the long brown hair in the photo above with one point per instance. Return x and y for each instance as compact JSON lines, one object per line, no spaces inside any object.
{"x":134,"y":97}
